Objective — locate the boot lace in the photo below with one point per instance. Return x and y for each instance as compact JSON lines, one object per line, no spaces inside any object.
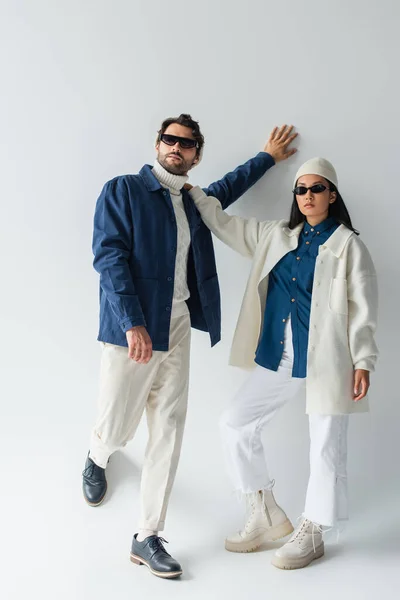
{"x":255,"y":501}
{"x":302,"y":530}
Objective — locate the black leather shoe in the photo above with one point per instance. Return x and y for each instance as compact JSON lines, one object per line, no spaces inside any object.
{"x":151,"y":552}
{"x":94,"y":483}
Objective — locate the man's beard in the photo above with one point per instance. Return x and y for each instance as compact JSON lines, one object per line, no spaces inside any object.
{"x":180,"y":167}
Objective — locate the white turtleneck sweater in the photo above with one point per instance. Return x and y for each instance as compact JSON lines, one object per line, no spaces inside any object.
{"x":175,"y":183}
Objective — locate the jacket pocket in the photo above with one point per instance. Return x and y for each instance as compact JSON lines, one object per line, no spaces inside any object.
{"x":338,"y":296}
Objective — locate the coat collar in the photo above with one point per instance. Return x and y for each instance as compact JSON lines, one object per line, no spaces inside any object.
{"x":293,"y":232}
{"x":149,"y":179}
{"x":336,"y":242}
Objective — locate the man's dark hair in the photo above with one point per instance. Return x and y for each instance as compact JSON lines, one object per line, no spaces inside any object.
{"x":186,"y":121}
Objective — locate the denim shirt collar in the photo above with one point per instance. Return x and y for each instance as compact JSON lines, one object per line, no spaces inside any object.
{"x":317,"y":229}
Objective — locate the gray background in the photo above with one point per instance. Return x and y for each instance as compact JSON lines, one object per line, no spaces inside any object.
{"x":85,"y":86}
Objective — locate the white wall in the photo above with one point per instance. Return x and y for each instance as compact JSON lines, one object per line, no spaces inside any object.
{"x":85,"y":86}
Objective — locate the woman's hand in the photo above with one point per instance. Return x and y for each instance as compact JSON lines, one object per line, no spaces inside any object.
{"x":187,"y":187}
{"x":279,"y":140}
{"x":361,"y":384}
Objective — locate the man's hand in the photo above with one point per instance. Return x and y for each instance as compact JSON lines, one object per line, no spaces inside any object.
{"x":279,"y":140}
{"x":140,"y":347}
{"x":361,"y":384}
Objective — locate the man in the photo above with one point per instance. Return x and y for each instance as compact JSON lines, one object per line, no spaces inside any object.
{"x":158,"y":278}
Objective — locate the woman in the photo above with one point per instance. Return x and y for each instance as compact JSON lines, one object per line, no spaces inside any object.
{"x":306,"y":325}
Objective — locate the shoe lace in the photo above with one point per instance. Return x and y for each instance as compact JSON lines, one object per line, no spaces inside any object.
{"x":157,"y":543}
{"x":89,"y":472}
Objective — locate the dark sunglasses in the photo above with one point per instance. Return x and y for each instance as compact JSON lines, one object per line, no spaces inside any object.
{"x":184,"y":143}
{"x":318,"y":188}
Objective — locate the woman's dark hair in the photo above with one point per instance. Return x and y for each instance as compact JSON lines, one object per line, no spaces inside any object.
{"x":337,"y":210}
{"x":186,"y":121}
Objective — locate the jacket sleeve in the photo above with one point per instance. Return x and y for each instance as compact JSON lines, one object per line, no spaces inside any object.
{"x":239,"y":234}
{"x":112,"y":245}
{"x":235,"y":184}
{"x":362,"y":290}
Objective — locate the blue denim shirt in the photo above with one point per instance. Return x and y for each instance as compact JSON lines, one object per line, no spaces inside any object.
{"x":134,"y":246}
{"x":289,"y":292}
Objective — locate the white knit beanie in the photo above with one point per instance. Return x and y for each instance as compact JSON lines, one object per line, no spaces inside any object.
{"x":199,"y":157}
{"x":318,"y":166}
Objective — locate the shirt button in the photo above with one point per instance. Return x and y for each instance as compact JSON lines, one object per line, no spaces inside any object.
{"x":297,"y":257}
{"x":281,"y":342}
{"x":307,"y":243}
{"x":283,"y":320}
{"x":293,"y":300}
{"x":317,"y":232}
{"x":293,"y":278}
{"x":312,"y":228}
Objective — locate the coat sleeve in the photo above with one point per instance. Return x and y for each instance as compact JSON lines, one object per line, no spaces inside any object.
{"x":112,"y":245}
{"x":239,"y":234}
{"x":231,"y":187}
{"x":362,"y":290}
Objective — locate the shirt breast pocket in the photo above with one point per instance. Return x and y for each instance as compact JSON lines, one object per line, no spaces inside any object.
{"x":338,"y":296}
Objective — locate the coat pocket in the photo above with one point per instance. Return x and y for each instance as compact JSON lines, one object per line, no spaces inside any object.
{"x":338,"y":296}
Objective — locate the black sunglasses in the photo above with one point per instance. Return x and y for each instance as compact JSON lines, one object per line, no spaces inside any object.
{"x":318,"y":188}
{"x":184,"y":143}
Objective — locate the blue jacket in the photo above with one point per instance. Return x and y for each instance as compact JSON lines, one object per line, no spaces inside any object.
{"x":134,"y":246}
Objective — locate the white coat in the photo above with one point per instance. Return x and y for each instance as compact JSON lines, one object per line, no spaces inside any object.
{"x":344,"y":303}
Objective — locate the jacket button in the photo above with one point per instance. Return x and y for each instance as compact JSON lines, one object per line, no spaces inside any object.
{"x":168,"y":308}
{"x":169,"y":278}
